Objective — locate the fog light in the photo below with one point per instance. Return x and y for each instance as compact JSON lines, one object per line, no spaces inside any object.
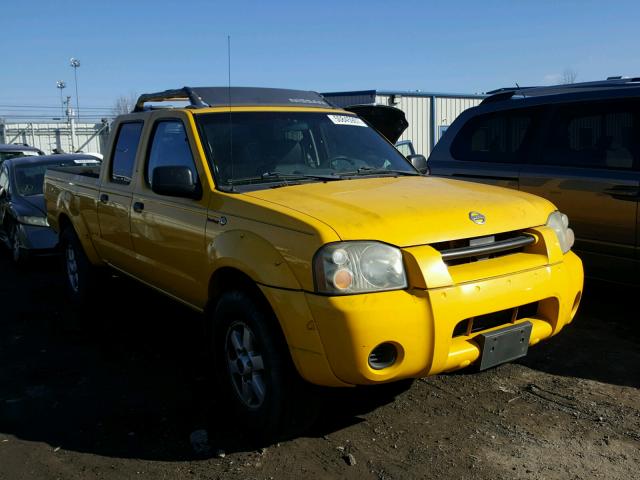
{"x":383,"y":356}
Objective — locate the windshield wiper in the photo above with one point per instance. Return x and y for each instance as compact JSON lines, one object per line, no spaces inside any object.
{"x":283,"y":176}
{"x":378,"y":171}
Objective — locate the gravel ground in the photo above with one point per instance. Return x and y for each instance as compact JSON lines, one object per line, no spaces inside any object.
{"x":119,"y":394}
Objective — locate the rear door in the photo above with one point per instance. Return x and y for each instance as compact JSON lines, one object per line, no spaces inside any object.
{"x":115,"y":197}
{"x":587,"y":166}
{"x":490,"y":147}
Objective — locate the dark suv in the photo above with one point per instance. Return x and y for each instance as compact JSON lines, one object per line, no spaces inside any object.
{"x":577,"y":145}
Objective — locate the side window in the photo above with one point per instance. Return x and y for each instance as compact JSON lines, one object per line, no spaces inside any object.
{"x":495,"y":137}
{"x":600,"y":135}
{"x":124,"y":155}
{"x":170,"y":147}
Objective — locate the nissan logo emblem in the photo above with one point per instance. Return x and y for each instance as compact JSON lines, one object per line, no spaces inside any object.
{"x":477,"y":218}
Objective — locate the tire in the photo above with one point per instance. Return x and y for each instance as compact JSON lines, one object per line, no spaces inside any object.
{"x":255,"y":371}
{"x":80,"y":276}
{"x":18,"y":254}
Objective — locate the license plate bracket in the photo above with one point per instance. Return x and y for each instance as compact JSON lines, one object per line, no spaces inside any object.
{"x":504,"y":345}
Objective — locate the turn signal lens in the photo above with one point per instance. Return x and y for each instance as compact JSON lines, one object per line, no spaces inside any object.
{"x":342,"y":279}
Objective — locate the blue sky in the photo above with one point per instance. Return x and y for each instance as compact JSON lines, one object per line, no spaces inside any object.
{"x":455,"y":46}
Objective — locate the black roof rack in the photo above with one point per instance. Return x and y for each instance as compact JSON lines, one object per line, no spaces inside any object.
{"x":201,"y":97}
{"x":612,"y":82}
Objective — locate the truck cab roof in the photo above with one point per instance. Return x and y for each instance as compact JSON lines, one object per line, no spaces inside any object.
{"x":203,"y":97}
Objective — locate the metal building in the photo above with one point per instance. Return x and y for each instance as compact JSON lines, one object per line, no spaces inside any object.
{"x":429,"y":114}
{"x":64,"y":136}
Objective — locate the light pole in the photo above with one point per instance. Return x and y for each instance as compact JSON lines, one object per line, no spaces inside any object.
{"x":61,"y":85}
{"x":72,"y":124}
{"x":75,"y":63}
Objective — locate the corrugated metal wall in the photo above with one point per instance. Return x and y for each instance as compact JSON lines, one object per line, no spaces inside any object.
{"x":91,"y":137}
{"x":417,"y":108}
{"x":448,"y":109}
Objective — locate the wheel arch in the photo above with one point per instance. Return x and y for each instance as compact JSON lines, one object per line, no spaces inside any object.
{"x":64,"y":222}
{"x":227,"y":279}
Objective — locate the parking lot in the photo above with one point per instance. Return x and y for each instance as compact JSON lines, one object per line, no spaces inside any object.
{"x":119,"y":395}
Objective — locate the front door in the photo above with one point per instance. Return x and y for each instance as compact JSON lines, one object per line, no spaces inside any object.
{"x":168,"y":233}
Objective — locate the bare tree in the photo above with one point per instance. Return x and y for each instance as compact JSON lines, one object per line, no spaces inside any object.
{"x":569,"y":76}
{"x":124,"y":104}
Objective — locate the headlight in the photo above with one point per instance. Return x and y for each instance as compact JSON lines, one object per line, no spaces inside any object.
{"x":560,"y":224}
{"x":37,"y":221}
{"x":357,"y":267}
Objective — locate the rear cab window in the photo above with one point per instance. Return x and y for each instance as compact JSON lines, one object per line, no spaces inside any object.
{"x":124,"y":153}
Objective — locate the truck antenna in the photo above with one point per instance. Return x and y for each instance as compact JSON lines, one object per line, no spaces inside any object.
{"x":229,"y":101}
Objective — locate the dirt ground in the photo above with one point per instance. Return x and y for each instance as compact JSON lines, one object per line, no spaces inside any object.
{"x":109,"y":397}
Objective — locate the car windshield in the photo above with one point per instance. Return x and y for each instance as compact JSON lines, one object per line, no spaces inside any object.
{"x":249,"y":148}
{"x":17,"y":153}
{"x":29,"y":178}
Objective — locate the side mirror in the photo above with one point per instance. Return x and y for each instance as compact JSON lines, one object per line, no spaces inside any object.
{"x":3,"y":193}
{"x":419,"y":162}
{"x":175,"y":181}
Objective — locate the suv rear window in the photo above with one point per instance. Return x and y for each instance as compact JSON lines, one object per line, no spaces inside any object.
{"x":495,"y":137}
{"x":596,"y":135}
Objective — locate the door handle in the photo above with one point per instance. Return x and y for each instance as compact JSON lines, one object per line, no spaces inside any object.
{"x":138,"y":207}
{"x":104,"y":198}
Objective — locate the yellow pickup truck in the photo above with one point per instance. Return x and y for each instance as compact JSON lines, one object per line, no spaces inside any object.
{"x":314,"y":248}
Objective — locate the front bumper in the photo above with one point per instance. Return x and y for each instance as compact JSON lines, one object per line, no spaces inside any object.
{"x":331,"y":337}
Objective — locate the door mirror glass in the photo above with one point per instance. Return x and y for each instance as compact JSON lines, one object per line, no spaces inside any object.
{"x":175,"y":181}
{"x":3,"y":193}
{"x":419,"y":162}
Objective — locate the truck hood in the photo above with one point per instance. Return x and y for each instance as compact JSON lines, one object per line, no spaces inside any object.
{"x":406,"y":211}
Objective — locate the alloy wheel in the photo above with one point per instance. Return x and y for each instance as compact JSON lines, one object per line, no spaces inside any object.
{"x":246,"y":366}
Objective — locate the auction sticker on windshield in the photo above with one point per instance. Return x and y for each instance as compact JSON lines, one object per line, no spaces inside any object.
{"x":346,"y":120}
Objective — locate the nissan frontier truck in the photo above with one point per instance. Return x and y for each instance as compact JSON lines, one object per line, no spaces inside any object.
{"x":317,"y":253}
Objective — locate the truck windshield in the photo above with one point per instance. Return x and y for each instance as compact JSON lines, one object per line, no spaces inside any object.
{"x":248,"y":148}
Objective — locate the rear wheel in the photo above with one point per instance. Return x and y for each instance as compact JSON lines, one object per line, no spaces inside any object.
{"x":255,"y":370}
{"x":79,"y":273}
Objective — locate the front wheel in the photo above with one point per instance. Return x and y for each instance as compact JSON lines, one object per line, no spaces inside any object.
{"x":18,"y":254}
{"x":79,"y":273}
{"x":255,"y":370}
